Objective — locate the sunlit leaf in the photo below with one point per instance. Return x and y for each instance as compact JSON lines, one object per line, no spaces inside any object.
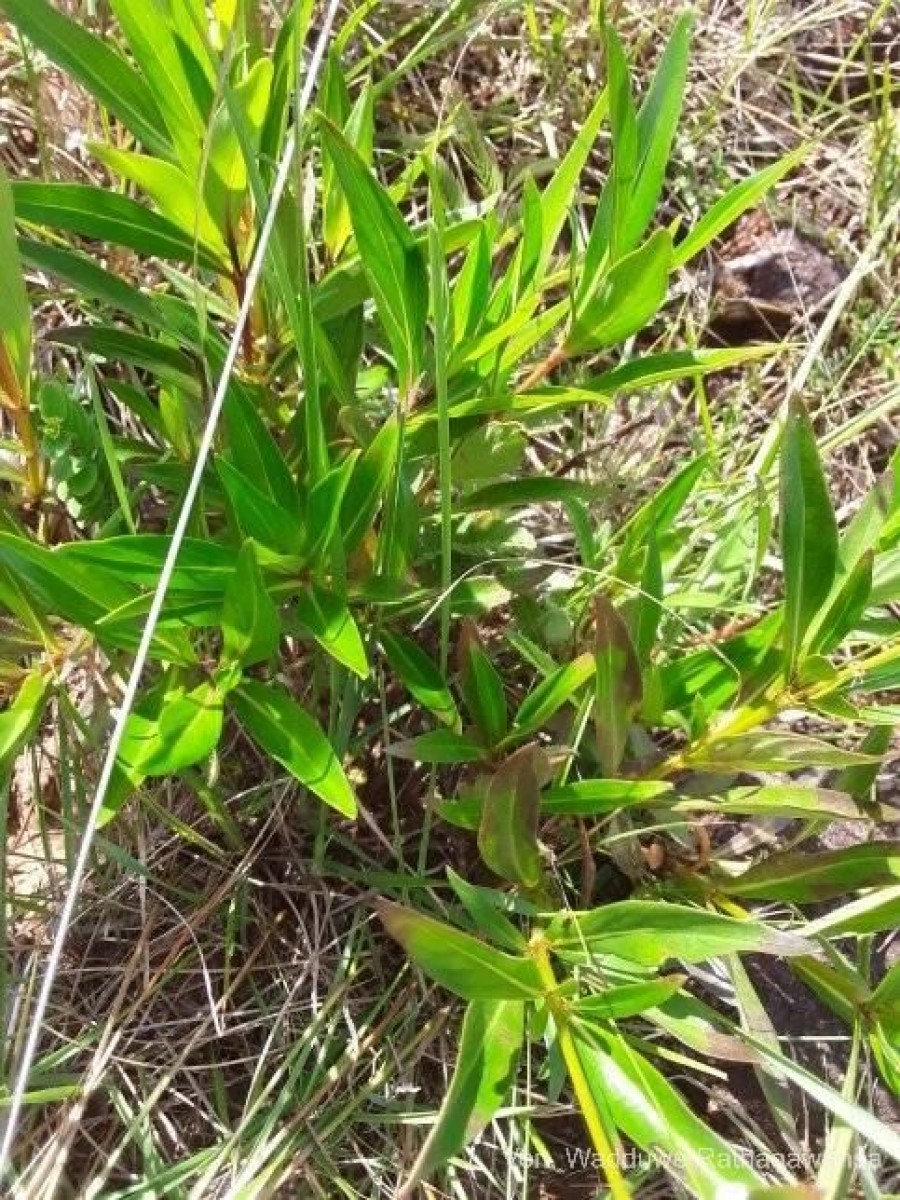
{"x":390,"y":255}
{"x":487,"y":909}
{"x":738,"y":200}
{"x":250,"y":624}
{"x":652,"y":1114}
{"x":438,"y":746}
{"x":801,"y":878}
{"x":771,"y":750}
{"x":183,"y":731}
{"x":458,"y":961}
{"x":107,"y":216}
{"x":552,"y":693}
{"x":15,"y":313}
{"x":628,"y":298}
{"x":331,"y":623}
{"x":627,"y":999}
{"x":488,"y":1054}
{"x":19,"y":720}
{"x":617,"y":681}
{"x":651,"y":933}
{"x":287,"y":732}
{"x":420,"y":676}
{"x":808,"y":532}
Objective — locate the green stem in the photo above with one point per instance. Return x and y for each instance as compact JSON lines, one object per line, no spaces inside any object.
{"x":587,"y":1105}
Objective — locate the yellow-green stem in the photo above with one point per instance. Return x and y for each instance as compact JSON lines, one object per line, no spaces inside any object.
{"x":17,"y":406}
{"x":751,"y":716}
{"x":587,"y":1105}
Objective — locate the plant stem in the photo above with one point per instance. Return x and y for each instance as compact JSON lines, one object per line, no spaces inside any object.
{"x":554,"y":359}
{"x":587,"y":1104}
{"x":17,"y":406}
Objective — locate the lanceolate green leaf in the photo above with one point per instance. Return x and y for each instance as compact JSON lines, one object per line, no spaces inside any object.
{"x":738,"y":200}
{"x":392,"y":259}
{"x":559,"y":194}
{"x":256,"y":454}
{"x":507,"y":835}
{"x":233,"y":146}
{"x":250,"y":624}
{"x":657,"y":122}
{"x":358,"y":127}
{"x":334,"y":100}
{"x":331,"y":623}
{"x":552,"y":693}
{"x":420,"y":676}
{"x":95,"y":64}
{"x":185,"y":729}
{"x":487,"y":907}
{"x":696,"y":1025}
{"x":872,"y":912}
{"x":859,"y":779}
{"x":368,"y":484}
{"x":203,"y":567}
{"x":19,"y":720}
{"x":257,"y":514}
{"x":287,"y":732}
{"x":487,"y":1058}
{"x":886,"y":999}
{"x":605,"y":241}
{"x":323,"y":514}
{"x":593,"y":797}
{"x":439,"y":746}
{"x":460,"y":962}
{"x":108,"y":217}
{"x":173,"y":193}
{"x":90,"y":279}
{"x":800,"y":878}
{"x":169,"y":364}
{"x":808,"y":532}
{"x":471,"y":288}
{"x":15,"y":315}
{"x":771,"y":751}
{"x":627,"y":298}
{"x":651,"y":933}
{"x":627,"y":999}
{"x":842,"y":616}
{"x":643,"y":372}
{"x":857,"y":546}
{"x":587,"y":798}
{"x":781,"y":800}
{"x":61,"y":586}
{"x":657,"y":515}
{"x":348,"y":286}
{"x":877,"y":515}
{"x":520,"y":492}
{"x":617,"y":684}
{"x":482,"y":687}
{"x":147,"y":25}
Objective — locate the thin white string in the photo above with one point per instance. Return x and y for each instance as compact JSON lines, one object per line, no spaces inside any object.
{"x":29,"y":1052}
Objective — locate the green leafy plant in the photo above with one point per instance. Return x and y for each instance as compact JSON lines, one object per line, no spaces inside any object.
{"x":362,"y":518}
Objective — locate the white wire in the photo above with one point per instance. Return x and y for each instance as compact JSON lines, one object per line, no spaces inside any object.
{"x":29,"y":1052}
